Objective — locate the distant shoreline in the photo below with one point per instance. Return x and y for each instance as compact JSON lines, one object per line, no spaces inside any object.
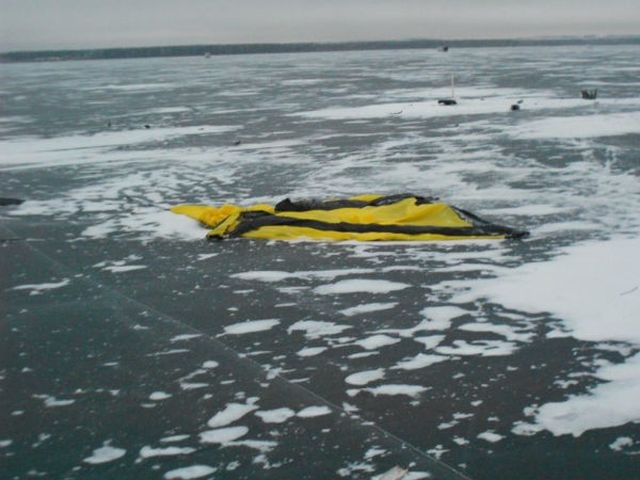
{"x":265,"y":48}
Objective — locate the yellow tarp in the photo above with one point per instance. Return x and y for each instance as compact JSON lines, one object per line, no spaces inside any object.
{"x":404,"y":219}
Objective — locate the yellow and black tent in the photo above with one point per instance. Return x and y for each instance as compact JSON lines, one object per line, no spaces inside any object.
{"x":369,"y":217}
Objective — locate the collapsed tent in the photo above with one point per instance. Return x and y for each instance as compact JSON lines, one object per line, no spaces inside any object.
{"x":365,"y":217}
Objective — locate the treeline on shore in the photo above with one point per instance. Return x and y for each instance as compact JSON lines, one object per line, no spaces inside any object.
{"x":262,"y":48}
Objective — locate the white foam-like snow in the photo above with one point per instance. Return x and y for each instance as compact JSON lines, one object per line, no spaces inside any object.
{"x":158,"y":396}
{"x":51,"y":401}
{"x":419,"y":361}
{"x":397,"y":389}
{"x":368,"y":308}
{"x":174,"y":438}
{"x":490,"y":436}
{"x":484,"y":348}
{"x":251,"y":326}
{"x":360,"y":285}
{"x":105,"y":454}
{"x":314,"y":329}
{"x":189,"y":473}
{"x":231,"y":413}
{"x":313,"y":411}
{"x":124,"y":268}
{"x":223,"y":435}
{"x":580,"y":126}
{"x":184,"y":336}
{"x":278,"y":415}
{"x":439,"y":318}
{"x":310,"y":351}
{"x":279,"y":275}
{"x":409,"y":332}
{"x":149,"y":452}
{"x":38,"y":288}
{"x":430,"y":342}
{"x":376,"y":341}
{"x":594,"y":288}
{"x":507,"y":331}
{"x":607,"y":405}
{"x":620,"y":443}
{"x":362,"y":378}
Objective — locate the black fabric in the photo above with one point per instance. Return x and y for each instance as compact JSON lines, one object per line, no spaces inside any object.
{"x":480,"y":227}
{"x":10,"y":201}
{"x":287,"y":205}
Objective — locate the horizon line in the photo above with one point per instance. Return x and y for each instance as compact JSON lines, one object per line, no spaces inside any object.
{"x":336,"y":43}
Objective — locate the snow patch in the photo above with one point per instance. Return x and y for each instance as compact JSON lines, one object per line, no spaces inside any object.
{"x":188,"y":473}
{"x":360,"y":286}
{"x":251,"y":326}
{"x":223,"y":435}
{"x":362,"y":378}
{"x":105,"y":454}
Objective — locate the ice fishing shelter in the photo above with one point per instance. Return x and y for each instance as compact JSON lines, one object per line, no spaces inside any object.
{"x":368,"y":217}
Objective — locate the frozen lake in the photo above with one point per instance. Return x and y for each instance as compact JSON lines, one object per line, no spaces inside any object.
{"x":133,"y":348}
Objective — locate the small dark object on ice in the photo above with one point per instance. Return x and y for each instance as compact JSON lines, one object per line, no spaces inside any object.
{"x":589,"y":94}
{"x":10,"y":201}
{"x":447,"y":101}
{"x":237,"y":141}
{"x":147,"y":126}
{"x":515,"y":107}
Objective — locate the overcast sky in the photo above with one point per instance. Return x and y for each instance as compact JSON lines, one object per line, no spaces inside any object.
{"x":57,"y":24}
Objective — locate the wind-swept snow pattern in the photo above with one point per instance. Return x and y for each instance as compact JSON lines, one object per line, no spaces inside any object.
{"x":135,"y":348}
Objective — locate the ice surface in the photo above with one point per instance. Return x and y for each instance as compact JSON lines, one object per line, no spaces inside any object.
{"x":433,"y":342}
{"x":33,"y":152}
{"x":471,"y":102}
{"x":580,"y":126}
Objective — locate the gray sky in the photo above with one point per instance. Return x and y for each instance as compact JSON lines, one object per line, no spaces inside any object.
{"x":57,"y":24}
